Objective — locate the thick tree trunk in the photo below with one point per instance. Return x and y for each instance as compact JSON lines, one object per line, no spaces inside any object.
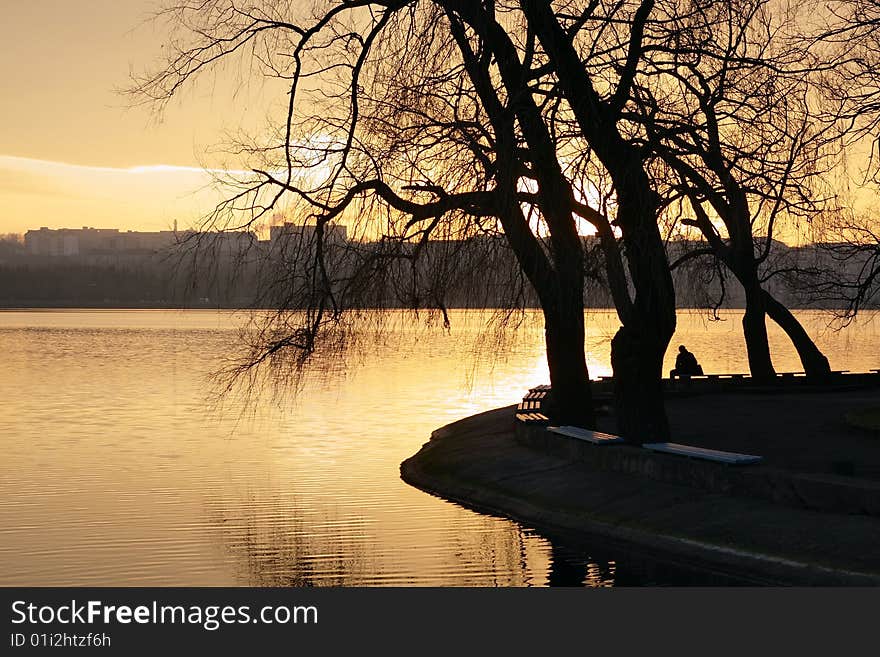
{"x":572,"y":399}
{"x":755,"y":332}
{"x":638,"y":348}
{"x":814,"y":362}
{"x":560,"y":285}
{"x":637,"y":357}
{"x":638,"y":363}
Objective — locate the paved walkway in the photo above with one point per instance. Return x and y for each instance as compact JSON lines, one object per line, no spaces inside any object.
{"x":803,"y":431}
{"x":477,"y":462}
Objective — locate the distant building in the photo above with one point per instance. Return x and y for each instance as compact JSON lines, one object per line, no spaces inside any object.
{"x":96,"y":241}
{"x":222,"y":243}
{"x":88,"y":241}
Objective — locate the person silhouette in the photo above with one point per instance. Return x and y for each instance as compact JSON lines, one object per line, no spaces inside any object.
{"x":686,"y":365}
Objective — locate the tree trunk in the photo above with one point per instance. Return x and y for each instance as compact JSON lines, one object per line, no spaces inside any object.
{"x":638,"y":391}
{"x":560,"y":286}
{"x":814,"y":362}
{"x":755,"y":332}
{"x":638,"y":348}
{"x":572,"y":401}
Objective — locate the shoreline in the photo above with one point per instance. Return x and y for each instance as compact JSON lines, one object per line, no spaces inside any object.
{"x":19,"y":304}
{"x":478,"y":463}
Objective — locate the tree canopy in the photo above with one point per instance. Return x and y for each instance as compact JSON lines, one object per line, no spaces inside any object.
{"x":570,"y":138}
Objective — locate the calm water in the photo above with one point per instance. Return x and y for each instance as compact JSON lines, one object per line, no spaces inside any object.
{"x":118,"y":470}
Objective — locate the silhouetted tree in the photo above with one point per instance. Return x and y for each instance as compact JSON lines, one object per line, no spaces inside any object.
{"x":401,"y":141}
{"x":725,"y":97}
{"x":843,"y":271}
{"x":644,"y":298}
{"x":846,"y":269}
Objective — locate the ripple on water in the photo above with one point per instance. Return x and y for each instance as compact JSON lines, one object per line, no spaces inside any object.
{"x":118,"y":471}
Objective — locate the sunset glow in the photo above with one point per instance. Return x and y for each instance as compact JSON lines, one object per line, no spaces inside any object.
{"x":422,"y":294}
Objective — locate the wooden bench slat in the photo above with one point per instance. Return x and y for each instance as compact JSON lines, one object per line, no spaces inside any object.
{"x":595,"y":437}
{"x":732,"y":458}
{"x":532,"y":417}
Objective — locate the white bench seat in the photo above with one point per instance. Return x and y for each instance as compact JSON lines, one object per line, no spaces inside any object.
{"x":595,"y":437}
{"x":731,"y":458}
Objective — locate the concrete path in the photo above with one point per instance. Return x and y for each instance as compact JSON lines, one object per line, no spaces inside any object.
{"x":478,"y":463}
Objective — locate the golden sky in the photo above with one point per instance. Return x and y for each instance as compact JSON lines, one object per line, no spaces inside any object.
{"x":73,"y":152}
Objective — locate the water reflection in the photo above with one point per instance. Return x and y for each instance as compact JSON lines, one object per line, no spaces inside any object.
{"x":115,"y":471}
{"x":569,"y":567}
{"x":279,"y":544}
{"x":601,"y":566}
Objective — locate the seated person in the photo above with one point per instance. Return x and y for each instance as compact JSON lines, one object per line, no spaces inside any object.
{"x":686,"y":365}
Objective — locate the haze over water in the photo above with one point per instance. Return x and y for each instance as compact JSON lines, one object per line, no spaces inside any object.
{"x":117,"y":470}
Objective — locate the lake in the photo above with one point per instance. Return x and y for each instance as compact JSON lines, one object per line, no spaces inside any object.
{"x":121,"y":466}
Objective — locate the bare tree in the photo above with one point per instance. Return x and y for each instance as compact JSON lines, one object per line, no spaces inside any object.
{"x":845,"y":271}
{"x":638,"y":274}
{"x":390,"y":126}
{"x":848,"y":31}
{"x":724,"y":96}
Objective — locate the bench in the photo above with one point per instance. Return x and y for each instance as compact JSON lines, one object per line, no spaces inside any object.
{"x":530,"y":409}
{"x":730,"y":458}
{"x":532,"y":418}
{"x":595,"y":437}
{"x":537,"y":394}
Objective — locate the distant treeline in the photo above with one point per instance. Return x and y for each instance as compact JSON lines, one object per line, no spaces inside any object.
{"x":257,"y":279}
{"x":144,"y":283}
